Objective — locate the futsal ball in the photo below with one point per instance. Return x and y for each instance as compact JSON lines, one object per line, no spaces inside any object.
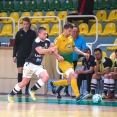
{"x":96,"y":98}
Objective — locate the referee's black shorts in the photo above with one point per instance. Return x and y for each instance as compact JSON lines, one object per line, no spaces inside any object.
{"x":20,"y":61}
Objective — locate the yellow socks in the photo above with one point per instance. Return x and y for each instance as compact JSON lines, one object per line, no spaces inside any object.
{"x":75,"y":87}
{"x":61,"y":83}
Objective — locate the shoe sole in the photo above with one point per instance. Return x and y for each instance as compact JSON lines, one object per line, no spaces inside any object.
{"x":86,"y":96}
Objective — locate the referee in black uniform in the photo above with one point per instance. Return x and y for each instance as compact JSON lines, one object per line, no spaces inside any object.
{"x":22,"y":47}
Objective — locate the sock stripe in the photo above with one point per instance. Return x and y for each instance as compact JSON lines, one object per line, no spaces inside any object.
{"x":38,"y":84}
{"x":15,"y":91}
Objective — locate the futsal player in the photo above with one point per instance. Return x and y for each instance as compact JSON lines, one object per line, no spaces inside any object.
{"x":66,"y":46}
{"x":32,"y":65}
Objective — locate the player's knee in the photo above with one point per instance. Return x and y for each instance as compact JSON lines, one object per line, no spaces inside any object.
{"x":73,"y":75}
{"x":95,"y":76}
{"x":45,"y":77}
{"x":106,"y":76}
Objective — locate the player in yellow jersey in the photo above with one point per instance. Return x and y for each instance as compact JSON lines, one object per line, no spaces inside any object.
{"x":66,"y":46}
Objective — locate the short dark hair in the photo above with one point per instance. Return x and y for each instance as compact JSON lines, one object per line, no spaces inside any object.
{"x":115,"y":50}
{"x":68,"y":25}
{"x":41,"y":28}
{"x":89,"y":50}
{"x":97,"y":49}
{"x":26,"y":19}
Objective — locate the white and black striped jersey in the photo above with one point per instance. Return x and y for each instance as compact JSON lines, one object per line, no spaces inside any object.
{"x":35,"y":57}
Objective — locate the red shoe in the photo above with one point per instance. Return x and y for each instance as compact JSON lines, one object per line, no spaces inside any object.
{"x":110,"y":96}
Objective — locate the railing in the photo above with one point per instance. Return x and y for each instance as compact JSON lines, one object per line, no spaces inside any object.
{"x":91,"y":43}
{"x":106,"y":45}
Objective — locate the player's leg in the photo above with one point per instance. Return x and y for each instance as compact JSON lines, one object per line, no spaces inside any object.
{"x":17,"y":88}
{"x":64,"y":66}
{"x":44,"y":77}
{"x":106,"y":85}
{"x":20,"y":63}
{"x":112,"y":86}
{"x":94,"y":79}
{"x":66,"y":92}
{"x":80,"y":77}
{"x":88,"y":78}
{"x":27,"y":73}
{"x":57,"y":93}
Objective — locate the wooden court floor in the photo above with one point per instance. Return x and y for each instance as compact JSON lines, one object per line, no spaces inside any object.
{"x":48,"y":106}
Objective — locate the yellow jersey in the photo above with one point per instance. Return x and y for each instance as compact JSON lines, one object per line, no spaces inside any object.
{"x":65,"y":46}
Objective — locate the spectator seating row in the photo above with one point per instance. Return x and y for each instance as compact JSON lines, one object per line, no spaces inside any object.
{"x":105,"y":4}
{"x":109,"y":29}
{"x":112,"y":48}
{"x":54,"y":5}
{"x":8,"y":30}
{"x":15,"y":16}
{"x":43,"y":5}
{"x":101,"y":15}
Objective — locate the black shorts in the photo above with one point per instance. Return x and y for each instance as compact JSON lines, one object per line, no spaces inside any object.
{"x":20,"y":61}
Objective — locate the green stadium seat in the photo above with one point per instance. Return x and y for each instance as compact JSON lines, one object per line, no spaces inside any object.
{"x":43,"y":5}
{"x":75,"y":6}
{"x":114,"y":5}
{"x":1,"y":6}
{"x":105,"y":4}
{"x":55,"y":5}
{"x":96,"y":4}
{"x":20,"y":6}
{"x":32,"y":5}
{"x":67,"y":4}
{"x":9,"y":6}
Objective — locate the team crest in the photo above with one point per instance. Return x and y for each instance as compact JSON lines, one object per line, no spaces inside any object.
{"x":46,"y":45}
{"x":69,"y":46}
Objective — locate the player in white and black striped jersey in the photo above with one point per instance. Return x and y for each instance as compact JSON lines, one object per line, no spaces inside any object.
{"x":40,"y":46}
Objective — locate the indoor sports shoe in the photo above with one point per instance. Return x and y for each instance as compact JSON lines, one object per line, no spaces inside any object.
{"x":110,"y":96}
{"x":67,"y":94}
{"x":85,"y":95}
{"x":32,"y":94}
{"x":53,"y":88}
{"x":103,"y":96}
{"x":79,"y":98}
{"x":10,"y":98}
{"x":58,"y":95}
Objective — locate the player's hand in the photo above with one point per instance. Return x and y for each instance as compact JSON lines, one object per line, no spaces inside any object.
{"x":98,"y":73}
{"x":86,"y":55}
{"x":98,"y":62}
{"x":14,"y":59}
{"x":52,"y":49}
{"x":51,"y":45}
{"x":60,"y":58}
{"x":77,"y":71}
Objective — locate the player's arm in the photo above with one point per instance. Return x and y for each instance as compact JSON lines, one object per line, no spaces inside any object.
{"x":96,"y":68}
{"x":40,"y":50}
{"x":57,"y":44}
{"x":88,"y":71}
{"x":107,"y":65}
{"x":106,"y":71}
{"x":80,"y":52}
